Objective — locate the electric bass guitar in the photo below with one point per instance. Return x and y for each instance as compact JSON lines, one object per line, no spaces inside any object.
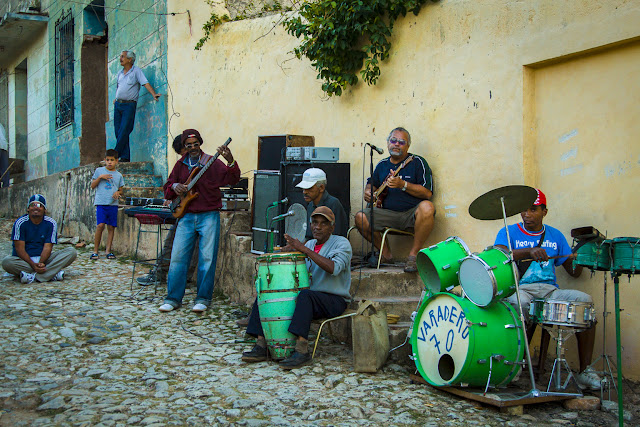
{"x":180,"y":203}
{"x":380,"y":193}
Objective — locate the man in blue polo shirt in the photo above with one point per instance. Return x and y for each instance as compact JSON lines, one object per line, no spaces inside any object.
{"x":130,"y":78}
{"x":34,"y":235}
{"x":407,"y":197}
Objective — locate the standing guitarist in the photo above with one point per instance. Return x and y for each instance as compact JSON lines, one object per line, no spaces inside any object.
{"x":405,"y":199}
{"x":201,"y":217}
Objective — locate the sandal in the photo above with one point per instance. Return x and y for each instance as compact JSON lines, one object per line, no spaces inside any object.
{"x":94,"y":256}
{"x":110,"y":255}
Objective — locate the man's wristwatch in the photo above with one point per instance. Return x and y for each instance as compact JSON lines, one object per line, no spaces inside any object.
{"x":405,"y":186}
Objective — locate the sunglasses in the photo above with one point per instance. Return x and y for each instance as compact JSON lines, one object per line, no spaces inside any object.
{"x":36,"y":204}
{"x":191,"y":145}
{"x":395,"y":140}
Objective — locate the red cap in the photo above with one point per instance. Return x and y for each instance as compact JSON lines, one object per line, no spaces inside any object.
{"x":541,"y":199}
{"x":191,"y":133}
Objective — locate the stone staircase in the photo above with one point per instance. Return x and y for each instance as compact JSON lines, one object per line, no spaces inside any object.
{"x":140,"y":181}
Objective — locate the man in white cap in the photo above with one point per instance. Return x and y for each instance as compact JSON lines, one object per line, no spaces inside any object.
{"x":34,"y":235}
{"x":314,"y":189}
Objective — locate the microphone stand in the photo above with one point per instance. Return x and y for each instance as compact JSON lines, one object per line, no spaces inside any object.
{"x":372,"y":260}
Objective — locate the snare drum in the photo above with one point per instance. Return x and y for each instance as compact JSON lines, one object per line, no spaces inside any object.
{"x":594,"y":256}
{"x":488,"y":276}
{"x":626,"y":255}
{"x":573,"y":314}
{"x":455,"y":342}
{"x":438,"y":265}
{"x":281,"y":277}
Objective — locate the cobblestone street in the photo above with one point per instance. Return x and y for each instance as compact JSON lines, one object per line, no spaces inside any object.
{"x":81,"y":352}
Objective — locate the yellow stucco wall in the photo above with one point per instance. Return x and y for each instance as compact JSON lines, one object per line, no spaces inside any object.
{"x":459,"y":78}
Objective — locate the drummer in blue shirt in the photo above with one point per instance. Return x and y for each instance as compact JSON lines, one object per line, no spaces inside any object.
{"x":535,"y":241}
{"x":329,"y":260}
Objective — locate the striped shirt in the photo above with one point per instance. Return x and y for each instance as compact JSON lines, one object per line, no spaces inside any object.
{"x":34,"y":235}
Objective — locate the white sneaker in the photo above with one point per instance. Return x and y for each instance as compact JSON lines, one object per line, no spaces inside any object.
{"x":59,"y":277}
{"x":199,"y":308}
{"x":166,"y":307}
{"x":27,"y":278}
{"x":589,"y":379}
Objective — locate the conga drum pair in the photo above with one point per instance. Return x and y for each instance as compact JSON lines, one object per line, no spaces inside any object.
{"x":281,"y":277}
{"x":620,"y":255}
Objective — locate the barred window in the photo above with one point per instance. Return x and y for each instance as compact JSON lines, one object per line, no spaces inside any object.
{"x":64,"y":70}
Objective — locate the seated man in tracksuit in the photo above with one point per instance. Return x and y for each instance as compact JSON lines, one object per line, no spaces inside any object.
{"x":329,"y":260}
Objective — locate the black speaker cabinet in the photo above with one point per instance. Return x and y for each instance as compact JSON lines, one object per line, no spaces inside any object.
{"x":338,"y":181}
{"x":266,"y":190}
{"x":271,"y":149}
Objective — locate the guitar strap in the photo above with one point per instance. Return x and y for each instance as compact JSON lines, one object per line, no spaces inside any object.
{"x":205,"y":158}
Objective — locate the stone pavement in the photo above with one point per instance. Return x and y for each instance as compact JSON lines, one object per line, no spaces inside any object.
{"x":82,"y":352}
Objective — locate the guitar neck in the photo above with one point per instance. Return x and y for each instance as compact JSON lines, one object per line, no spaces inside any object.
{"x":395,"y":173}
{"x":205,"y":167}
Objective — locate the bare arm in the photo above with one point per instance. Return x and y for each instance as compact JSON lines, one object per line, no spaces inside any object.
{"x":416,"y":190}
{"x":96,"y":181}
{"x":46,"y":252}
{"x":152,"y":92}
{"x":536,"y":254}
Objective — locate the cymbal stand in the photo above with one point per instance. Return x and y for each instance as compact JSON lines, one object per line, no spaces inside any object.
{"x":556,"y":372}
{"x":534,"y":391}
{"x":606,"y":363}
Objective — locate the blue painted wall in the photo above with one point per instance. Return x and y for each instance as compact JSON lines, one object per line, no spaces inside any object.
{"x":145,"y":34}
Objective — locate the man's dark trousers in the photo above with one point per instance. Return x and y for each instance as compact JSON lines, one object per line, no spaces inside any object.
{"x":124,"y":115}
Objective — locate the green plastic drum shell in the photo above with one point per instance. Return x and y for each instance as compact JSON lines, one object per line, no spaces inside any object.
{"x":488,"y":276}
{"x":280,"y":279}
{"x":594,"y":256}
{"x":626,"y":255}
{"x":438,"y":264}
{"x":494,"y":342}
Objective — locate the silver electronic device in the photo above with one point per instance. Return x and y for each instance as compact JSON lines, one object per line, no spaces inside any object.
{"x":313,"y":154}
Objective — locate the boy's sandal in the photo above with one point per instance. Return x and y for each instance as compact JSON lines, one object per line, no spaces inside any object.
{"x":94,"y":256}
{"x":110,"y":255}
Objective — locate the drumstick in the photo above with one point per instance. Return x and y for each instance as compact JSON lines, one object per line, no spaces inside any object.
{"x":551,"y":257}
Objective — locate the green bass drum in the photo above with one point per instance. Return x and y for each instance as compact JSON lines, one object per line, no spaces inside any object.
{"x":455,"y":342}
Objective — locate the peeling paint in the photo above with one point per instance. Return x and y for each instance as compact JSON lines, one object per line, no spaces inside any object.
{"x":571,"y":170}
{"x":569,"y":154}
{"x":567,"y":136}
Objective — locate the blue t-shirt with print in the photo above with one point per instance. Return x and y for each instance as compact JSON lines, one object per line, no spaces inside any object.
{"x":554,"y":244}
{"x":416,"y":172}
{"x":33,"y":235}
{"x":106,"y":187}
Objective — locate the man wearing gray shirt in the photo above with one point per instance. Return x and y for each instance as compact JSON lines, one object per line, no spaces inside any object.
{"x":130,"y":78}
{"x":329,"y":261}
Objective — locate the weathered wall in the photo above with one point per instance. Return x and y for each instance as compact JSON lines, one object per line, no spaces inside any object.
{"x":456,"y":78}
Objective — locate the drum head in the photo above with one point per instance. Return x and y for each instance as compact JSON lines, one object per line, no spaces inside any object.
{"x":477,"y":281}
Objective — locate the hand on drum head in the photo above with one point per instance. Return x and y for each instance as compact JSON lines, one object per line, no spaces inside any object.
{"x":293,"y":244}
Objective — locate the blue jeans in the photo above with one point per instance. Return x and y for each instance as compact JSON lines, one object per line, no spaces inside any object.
{"x":207,"y":226}
{"x":124,"y":115}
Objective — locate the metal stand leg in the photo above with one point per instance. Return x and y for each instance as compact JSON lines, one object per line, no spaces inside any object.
{"x":559,"y":363}
{"x":616,"y":283}
{"x":606,"y":363}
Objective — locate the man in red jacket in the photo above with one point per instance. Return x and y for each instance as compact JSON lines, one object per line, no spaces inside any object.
{"x":202,"y":218}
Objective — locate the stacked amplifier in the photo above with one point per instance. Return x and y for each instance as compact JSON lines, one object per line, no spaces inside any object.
{"x":282,"y":159}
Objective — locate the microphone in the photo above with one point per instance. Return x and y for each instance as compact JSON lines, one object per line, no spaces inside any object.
{"x":280,"y":202}
{"x":378,"y":150}
{"x":284,"y":215}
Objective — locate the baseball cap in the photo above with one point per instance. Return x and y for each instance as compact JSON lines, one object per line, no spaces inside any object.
{"x":541,"y":199}
{"x":191,"y":133}
{"x":325,"y":212}
{"x":310,"y":177}
{"x":38,"y":198}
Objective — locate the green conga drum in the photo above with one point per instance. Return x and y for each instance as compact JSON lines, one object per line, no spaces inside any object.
{"x":455,"y":342}
{"x":281,"y":277}
{"x":594,"y":256}
{"x":626,"y":255}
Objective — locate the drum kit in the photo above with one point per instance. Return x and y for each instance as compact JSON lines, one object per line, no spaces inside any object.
{"x":480,"y":340}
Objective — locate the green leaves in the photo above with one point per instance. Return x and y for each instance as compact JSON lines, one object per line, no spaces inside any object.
{"x":344,"y":38}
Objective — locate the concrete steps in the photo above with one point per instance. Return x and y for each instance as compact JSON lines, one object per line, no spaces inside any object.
{"x":140,"y":180}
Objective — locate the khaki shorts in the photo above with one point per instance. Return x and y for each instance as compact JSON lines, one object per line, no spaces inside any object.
{"x":387,"y":218}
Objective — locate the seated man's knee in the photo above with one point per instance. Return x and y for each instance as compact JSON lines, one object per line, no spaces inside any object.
{"x":426,"y":208}
{"x":360,"y":219}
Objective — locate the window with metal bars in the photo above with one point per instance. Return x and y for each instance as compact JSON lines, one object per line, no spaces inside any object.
{"x":64,"y":70}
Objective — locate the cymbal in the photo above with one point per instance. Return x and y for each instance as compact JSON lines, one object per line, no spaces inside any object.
{"x":517,"y":198}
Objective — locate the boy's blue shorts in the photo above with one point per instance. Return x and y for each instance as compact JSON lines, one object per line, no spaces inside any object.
{"x":107,"y":214}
